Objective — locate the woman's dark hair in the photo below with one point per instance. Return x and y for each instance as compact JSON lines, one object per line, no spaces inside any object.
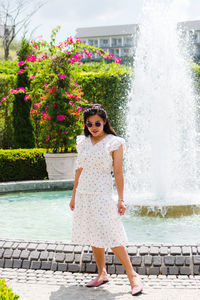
{"x":97,"y":109}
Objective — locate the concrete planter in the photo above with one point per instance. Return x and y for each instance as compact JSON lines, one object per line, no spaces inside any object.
{"x":60,"y":165}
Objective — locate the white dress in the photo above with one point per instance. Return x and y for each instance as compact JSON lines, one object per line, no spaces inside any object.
{"x":96,"y":220}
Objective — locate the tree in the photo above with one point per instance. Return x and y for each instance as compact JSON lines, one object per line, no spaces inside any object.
{"x":14,"y":18}
{"x":23,"y":129}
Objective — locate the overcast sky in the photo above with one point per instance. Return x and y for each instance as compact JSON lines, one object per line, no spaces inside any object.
{"x":71,"y":14}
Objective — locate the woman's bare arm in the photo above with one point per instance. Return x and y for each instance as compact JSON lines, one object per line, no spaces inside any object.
{"x":77,"y":175}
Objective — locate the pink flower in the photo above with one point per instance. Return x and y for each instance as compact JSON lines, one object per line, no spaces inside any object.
{"x":62,"y":76}
{"x":31,"y":58}
{"x":79,"y":109}
{"x":27,"y":97}
{"x":4,"y":98}
{"x":20,"y":63}
{"x":118,"y":60}
{"x":60,"y":117}
{"x":31,"y":77}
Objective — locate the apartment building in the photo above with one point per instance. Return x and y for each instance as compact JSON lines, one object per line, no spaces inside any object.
{"x":121,"y":40}
{"x":117,"y":39}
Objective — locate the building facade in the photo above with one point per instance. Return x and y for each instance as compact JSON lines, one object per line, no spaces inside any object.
{"x":121,"y":40}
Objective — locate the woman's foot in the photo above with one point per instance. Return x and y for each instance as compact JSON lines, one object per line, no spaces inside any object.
{"x":136,"y":285}
{"x":99,"y":280}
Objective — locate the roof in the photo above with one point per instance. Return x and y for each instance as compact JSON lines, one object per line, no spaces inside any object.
{"x":106,"y":30}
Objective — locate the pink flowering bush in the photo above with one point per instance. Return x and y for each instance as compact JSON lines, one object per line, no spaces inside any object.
{"x":57,"y":100}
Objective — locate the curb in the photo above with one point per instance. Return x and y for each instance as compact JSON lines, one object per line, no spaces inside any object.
{"x":148,"y":259}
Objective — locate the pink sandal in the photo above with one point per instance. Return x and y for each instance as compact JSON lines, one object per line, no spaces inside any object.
{"x":96,"y":282}
{"x":137,"y":289}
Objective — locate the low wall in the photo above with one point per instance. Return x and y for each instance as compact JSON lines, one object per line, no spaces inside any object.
{"x":148,"y":259}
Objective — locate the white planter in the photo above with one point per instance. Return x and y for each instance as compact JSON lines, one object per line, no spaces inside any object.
{"x":60,"y":165}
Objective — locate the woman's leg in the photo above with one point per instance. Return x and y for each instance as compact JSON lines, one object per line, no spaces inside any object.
{"x":99,"y":255}
{"x":122,"y":254}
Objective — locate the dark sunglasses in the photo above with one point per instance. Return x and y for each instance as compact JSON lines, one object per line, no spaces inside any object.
{"x":97,"y":124}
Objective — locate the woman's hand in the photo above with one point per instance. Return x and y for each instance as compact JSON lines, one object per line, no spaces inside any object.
{"x":72,"y":203}
{"x":121,"y":207}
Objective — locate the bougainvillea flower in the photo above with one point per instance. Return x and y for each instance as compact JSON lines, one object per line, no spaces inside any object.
{"x":60,"y":117}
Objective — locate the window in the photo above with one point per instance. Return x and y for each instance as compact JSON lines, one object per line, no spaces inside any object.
{"x":116,"y":42}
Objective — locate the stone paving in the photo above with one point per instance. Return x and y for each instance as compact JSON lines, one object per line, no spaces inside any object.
{"x":148,"y":259}
{"x":58,"y":285}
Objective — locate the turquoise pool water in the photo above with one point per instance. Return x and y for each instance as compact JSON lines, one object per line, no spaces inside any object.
{"x":46,"y":215}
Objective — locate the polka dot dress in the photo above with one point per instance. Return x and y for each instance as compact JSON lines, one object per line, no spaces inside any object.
{"x":96,"y":220}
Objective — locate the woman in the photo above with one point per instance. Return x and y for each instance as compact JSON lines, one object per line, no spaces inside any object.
{"x":96,"y":218}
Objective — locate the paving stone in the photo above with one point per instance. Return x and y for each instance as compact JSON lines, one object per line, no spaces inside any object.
{"x":34,"y":255}
{"x":24,"y":254}
{"x":51,"y":255}
{"x":51,"y":247}
{"x":141,"y":271}
{"x":54,"y":266}
{"x":59,"y":248}
{"x":154,"y":271}
{"x":120,"y":269}
{"x":91,"y":268}
{"x":157,"y":261}
{"x":148,"y":260}
{"x":185,"y":271}
{"x":93,"y":259}
{"x":36,"y":265}
{"x":62,"y":267}
{"x":16,"y":253}
{"x":132,"y":250}
{"x":109,"y":259}
{"x":74,"y":268}
{"x":60,"y":257}
{"x":26,"y":264}
{"x":69,"y":257}
{"x":8,"y":253}
{"x":69,"y":248}
{"x":154,"y":250}
{"x":42,"y":247}
{"x":144,"y":250}
{"x":175,"y":250}
{"x":78,"y":249}
{"x":8,"y":263}
{"x":86,"y":257}
{"x":77,"y":258}
{"x":46,"y":265}
{"x":44,"y":255}
{"x":17,"y":263}
{"x":83,"y":267}
{"x":169,"y":260}
{"x":179,"y":260}
{"x":111,"y":269}
{"x":32,"y":246}
{"x":116,"y":261}
{"x":1,"y":253}
{"x":15,"y":245}
{"x":7,"y":245}
{"x":196,"y":270}
{"x":1,"y":263}
{"x":196,"y":259}
{"x":2,"y":243}
{"x":194,"y":250}
{"x":163,"y":250}
{"x":173,"y":270}
{"x":164,"y":270}
{"x":136,"y":260}
{"x":186,"y":250}
{"x":187,"y":260}
{"x":22,"y":246}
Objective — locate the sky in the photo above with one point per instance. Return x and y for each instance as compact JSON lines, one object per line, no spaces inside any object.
{"x":71,"y":14}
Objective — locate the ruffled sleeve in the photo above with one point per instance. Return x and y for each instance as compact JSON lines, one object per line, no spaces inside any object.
{"x":79,"y":147}
{"x":115,"y":142}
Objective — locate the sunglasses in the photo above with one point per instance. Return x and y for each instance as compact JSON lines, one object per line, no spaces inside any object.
{"x":97,"y":124}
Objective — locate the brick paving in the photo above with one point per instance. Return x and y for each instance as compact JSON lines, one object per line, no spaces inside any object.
{"x":58,"y":285}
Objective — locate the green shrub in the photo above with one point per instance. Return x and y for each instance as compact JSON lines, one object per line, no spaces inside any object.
{"x":22,"y":164}
{"x":108,"y":84}
{"x":5,"y":292}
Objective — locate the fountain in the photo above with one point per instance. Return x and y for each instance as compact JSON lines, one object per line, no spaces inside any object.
{"x":161,"y":175}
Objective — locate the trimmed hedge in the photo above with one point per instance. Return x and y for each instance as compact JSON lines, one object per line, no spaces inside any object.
{"x":108,"y":84}
{"x":22,"y":164}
